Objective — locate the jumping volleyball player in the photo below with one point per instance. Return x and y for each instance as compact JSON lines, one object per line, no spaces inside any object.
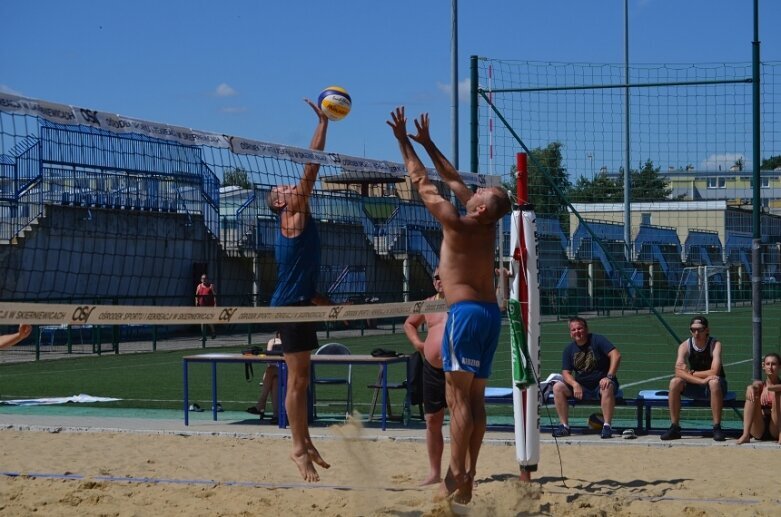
{"x":297,"y":252}
{"x":467,"y":271}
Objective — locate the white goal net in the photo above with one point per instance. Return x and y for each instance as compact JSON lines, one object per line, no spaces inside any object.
{"x":704,"y":289}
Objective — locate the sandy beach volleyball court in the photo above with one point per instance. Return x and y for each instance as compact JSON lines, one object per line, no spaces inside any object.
{"x":86,"y":473}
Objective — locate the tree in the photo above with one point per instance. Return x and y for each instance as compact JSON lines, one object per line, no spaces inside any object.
{"x":648,"y":184}
{"x":546,"y":177}
{"x":601,"y":188}
{"x":238,"y":177}
{"x":772,"y":163}
{"x":545,"y":171}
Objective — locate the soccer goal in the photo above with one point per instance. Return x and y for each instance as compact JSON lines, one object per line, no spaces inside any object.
{"x":704,"y":289}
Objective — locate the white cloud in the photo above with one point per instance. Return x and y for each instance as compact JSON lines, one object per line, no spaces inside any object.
{"x":464,"y":87}
{"x":4,"y":88}
{"x":224,"y":90}
{"x":723,"y":162}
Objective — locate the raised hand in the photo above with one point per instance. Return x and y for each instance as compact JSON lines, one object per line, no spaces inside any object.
{"x":422,"y":125}
{"x":398,"y":123}
{"x":25,"y":331}
{"x":318,"y":111}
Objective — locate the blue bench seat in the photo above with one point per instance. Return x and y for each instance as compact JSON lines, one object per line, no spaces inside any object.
{"x":649,"y":399}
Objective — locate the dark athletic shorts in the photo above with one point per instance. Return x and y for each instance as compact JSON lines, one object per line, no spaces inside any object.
{"x":433,"y":388}
{"x":766,"y":435}
{"x":298,"y":337}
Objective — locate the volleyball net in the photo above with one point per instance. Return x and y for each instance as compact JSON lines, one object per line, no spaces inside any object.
{"x":97,"y":208}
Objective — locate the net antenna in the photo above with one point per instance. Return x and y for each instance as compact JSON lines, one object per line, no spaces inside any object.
{"x":704,"y":289}
{"x":524,"y":315}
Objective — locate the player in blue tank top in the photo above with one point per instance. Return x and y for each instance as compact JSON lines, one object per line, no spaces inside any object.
{"x":297,"y":252}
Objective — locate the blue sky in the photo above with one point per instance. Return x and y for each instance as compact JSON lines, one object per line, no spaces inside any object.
{"x":242,"y":67}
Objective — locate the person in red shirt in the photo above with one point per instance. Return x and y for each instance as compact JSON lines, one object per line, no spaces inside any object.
{"x":206,"y":296}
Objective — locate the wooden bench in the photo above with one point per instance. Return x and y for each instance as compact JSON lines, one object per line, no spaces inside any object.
{"x":649,"y":399}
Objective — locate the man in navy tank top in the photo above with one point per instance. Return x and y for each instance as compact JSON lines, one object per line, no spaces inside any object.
{"x":699,"y":374}
{"x":297,"y":253}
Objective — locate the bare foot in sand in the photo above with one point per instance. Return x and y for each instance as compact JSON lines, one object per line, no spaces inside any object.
{"x":744,"y":438}
{"x":450,"y":484}
{"x":463,"y":494}
{"x":305,"y":467}
{"x":315,"y":457}
{"x":432,"y":479}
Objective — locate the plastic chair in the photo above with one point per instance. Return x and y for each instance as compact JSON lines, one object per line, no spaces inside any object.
{"x":333,"y":349}
{"x":412,"y":386}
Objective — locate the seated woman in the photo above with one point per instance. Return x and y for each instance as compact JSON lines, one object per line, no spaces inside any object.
{"x":761,"y":414}
{"x":269,"y":385}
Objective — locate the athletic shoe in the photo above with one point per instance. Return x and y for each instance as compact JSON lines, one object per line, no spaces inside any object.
{"x":673,"y":433}
{"x":253,"y":410}
{"x":718,"y":434}
{"x":607,"y":432}
{"x":561,"y":431}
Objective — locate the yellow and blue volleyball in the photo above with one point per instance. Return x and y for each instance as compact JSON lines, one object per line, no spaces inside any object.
{"x":335,"y":102}
{"x":596,"y":421}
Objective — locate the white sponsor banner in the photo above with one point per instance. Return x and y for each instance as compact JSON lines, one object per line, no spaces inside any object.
{"x":59,"y":113}
{"x":56,"y":314}
{"x":347,"y":163}
{"x":64,"y":114}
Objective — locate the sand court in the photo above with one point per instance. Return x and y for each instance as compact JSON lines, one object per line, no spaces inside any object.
{"x":163,"y":469}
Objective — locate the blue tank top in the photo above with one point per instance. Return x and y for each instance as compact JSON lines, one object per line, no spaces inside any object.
{"x":298,"y":266}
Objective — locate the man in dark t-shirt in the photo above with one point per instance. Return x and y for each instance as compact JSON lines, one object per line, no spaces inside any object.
{"x":588,"y":365}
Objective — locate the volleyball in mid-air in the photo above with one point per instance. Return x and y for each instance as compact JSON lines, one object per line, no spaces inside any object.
{"x":335,"y":102}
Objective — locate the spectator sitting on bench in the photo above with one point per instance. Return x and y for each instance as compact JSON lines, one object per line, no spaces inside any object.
{"x":699,"y":374}
{"x":762,"y":411}
{"x":589,"y":366}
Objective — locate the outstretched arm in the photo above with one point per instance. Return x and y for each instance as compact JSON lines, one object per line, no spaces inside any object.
{"x":308,"y":179}
{"x":441,"y":164}
{"x":440,"y":208}
{"x":11,"y":339}
{"x":415,"y":169}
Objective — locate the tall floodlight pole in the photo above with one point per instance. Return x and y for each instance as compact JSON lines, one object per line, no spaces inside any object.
{"x":627,"y":175}
{"x":756,"y":211}
{"x":454,"y":79}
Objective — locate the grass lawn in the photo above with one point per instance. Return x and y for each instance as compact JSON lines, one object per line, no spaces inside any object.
{"x":154,"y":380}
